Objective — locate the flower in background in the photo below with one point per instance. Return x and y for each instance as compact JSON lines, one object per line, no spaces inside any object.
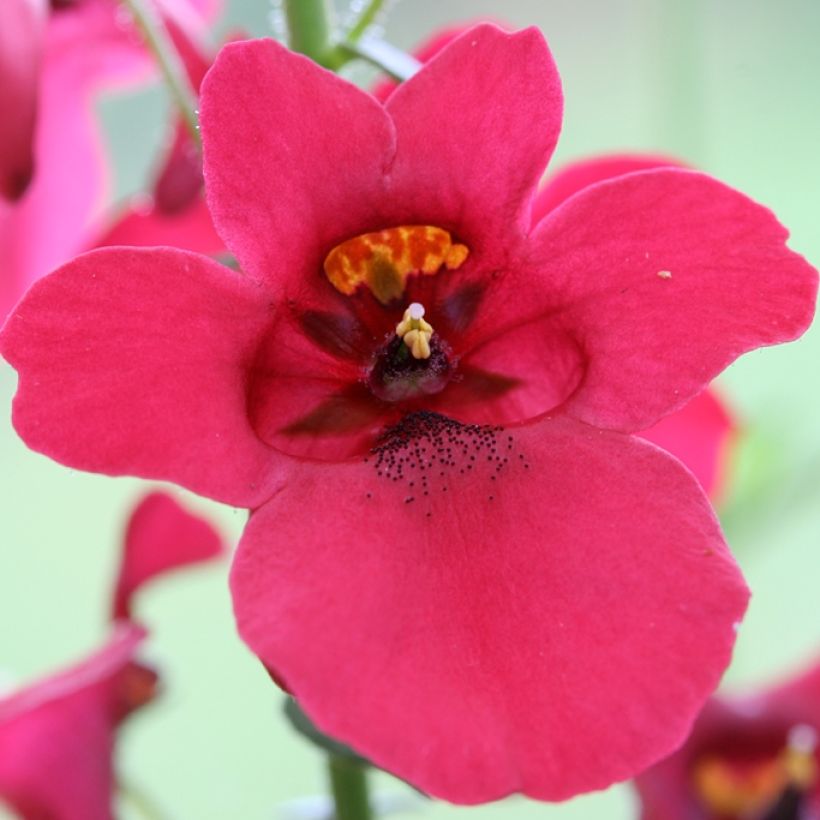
{"x":752,"y":757}
{"x":57,"y":736}
{"x":54,"y":63}
{"x":460,"y":561}
{"x":174,"y":213}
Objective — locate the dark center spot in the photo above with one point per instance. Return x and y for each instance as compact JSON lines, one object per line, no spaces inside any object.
{"x":427,"y":455}
{"x":397,"y":376}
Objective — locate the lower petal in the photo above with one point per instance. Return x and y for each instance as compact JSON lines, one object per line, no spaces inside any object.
{"x":539,"y":610}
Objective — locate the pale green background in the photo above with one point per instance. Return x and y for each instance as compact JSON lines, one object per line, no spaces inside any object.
{"x":731,"y":86}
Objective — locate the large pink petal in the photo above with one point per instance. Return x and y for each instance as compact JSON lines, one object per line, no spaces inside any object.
{"x":161,"y":536}
{"x":22,"y":26}
{"x":295,"y":161}
{"x":699,"y":434}
{"x":475,"y":128}
{"x":135,"y":361}
{"x":57,"y":737}
{"x":575,"y":176}
{"x":541,"y":610}
{"x":664,"y":277}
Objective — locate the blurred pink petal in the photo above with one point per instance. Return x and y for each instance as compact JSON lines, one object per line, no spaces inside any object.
{"x":22,"y":25}
{"x":160,"y":536}
{"x":89,"y":47}
{"x":57,"y":736}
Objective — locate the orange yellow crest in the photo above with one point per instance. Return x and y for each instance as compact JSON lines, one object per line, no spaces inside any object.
{"x":384,"y":259}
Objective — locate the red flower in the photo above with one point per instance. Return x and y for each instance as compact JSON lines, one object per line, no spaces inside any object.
{"x":57,"y":736}
{"x":460,"y":563}
{"x":755,"y":757}
{"x":174,"y":213}
{"x":50,"y":73}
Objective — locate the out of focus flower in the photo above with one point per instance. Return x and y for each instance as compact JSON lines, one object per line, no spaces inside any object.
{"x":53,"y":168}
{"x":752,"y":757}
{"x":57,"y":736}
{"x":174,"y":213}
{"x":460,"y":561}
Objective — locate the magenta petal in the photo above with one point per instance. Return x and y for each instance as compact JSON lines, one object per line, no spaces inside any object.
{"x":575,"y":176}
{"x":699,"y":434}
{"x":665,"y":277}
{"x":294,"y":160}
{"x":142,"y":224}
{"x":161,"y":536}
{"x":475,"y":129}
{"x":57,"y":737}
{"x":550,"y":631}
{"x":22,"y":24}
{"x":134,"y":361}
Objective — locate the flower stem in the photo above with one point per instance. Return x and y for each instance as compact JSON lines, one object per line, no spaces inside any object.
{"x":311,"y":30}
{"x":348,"y":783}
{"x":364,"y":20}
{"x":391,"y":60}
{"x":173,"y":72}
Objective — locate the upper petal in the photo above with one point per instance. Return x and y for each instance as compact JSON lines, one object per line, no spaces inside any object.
{"x":294,"y":160}
{"x":161,"y":536}
{"x":57,"y":737}
{"x":134,"y":361}
{"x":475,"y":128}
{"x":546,"y":621}
{"x":664,"y":278}
{"x":575,"y":176}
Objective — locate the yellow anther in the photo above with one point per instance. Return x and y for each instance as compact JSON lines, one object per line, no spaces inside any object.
{"x":415,"y":332}
{"x":384,"y":260}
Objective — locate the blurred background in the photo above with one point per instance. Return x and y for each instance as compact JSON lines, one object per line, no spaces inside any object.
{"x":730,"y":88}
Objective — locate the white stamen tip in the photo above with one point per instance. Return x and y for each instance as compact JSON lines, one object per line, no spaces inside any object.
{"x":416,"y":310}
{"x":803,"y":738}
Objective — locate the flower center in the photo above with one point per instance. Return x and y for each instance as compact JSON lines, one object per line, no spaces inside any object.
{"x":756,"y":788}
{"x":413,"y":363}
{"x":383,"y":260}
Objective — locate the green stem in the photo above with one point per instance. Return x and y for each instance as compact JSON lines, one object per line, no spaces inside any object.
{"x":311,"y":29}
{"x":389,"y":59}
{"x":173,"y":72}
{"x":364,"y":21}
{"x":348,"y":783}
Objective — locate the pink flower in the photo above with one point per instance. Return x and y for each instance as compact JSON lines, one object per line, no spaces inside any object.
{"x":84,"y":47}
{"x":57,"y":736}
{"x":174,"y":213}
{"x":460,"y":560}
{"x":755,"y":757}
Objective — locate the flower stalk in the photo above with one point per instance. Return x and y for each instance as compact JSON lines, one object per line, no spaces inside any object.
{"x":312,"y":32}
{"x":158,"y":42}
{"x":348,"y":784}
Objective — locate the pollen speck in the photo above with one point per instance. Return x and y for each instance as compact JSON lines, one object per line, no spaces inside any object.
{"x":665,"y":274}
